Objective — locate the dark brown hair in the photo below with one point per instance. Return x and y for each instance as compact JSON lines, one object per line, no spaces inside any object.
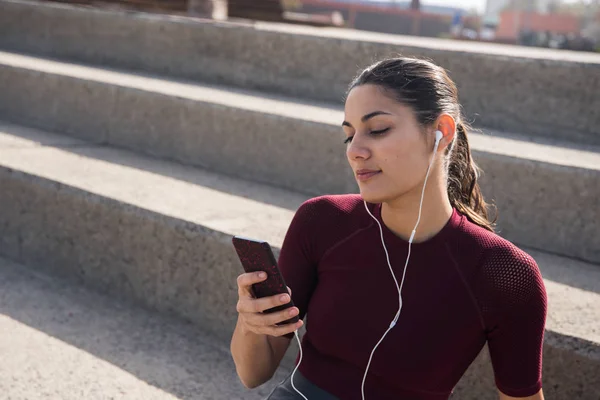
{"x":428,"y":90}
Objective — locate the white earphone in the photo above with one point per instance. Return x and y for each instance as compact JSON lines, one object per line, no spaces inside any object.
{"x":438,"y":136}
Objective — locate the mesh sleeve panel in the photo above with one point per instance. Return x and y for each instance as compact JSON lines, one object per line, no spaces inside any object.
{"x":513,"y":301}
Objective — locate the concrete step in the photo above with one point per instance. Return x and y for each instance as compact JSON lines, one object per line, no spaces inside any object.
{"x":62,"y":341}
{"x":289,"y":143}
{"x":159,"y":233}
{"x":550,"y":93}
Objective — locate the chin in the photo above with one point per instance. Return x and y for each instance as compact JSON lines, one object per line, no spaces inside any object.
{"x":371,"y":197}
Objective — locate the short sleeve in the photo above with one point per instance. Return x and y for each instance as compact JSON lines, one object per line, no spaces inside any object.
{"x":513,"y":302}
{"x":297,"y":260}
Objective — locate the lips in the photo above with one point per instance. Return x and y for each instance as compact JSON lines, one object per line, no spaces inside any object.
{"x":362,"y":176}
{"x":366,"y":171}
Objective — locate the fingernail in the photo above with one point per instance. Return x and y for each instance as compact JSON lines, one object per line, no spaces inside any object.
{"x":283,"y":298}
{"x":262,"y":275}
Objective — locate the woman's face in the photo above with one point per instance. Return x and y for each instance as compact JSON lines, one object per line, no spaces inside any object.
{"x":384,"y":136}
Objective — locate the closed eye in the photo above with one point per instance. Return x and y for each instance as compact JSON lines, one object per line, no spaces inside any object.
{"x":349,"y":139}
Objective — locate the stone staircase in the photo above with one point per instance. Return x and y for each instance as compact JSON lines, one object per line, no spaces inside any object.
{"x":62,"y":341}
{"x":133,"y":147}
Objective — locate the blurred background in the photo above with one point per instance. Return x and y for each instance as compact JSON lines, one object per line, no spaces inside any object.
{"x":558,"y":24}
{"x":137,"y":137}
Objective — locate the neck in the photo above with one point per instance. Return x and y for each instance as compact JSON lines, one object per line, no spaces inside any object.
{"x":400,"y":215}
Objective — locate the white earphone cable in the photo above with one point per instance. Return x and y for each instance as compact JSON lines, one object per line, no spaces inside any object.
{"x":393,"y":323}
{"x":299,"y":361}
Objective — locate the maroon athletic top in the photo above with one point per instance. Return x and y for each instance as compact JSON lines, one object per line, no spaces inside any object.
{"x":463,"y":287}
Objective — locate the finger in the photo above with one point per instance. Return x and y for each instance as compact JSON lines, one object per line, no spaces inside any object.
{"x":275,"y":330}
{"x":246,"y":280}
{"x":289,"y":290}
{"x":259,"y":319}
{"x":252,"y":305}
{"x":283,"y":329}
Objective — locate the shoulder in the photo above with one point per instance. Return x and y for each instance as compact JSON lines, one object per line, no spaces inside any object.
{"x":331,"y":207}
{"x":492,"y":248}
{"x":326,"y":220}
{"x":505,"y":271}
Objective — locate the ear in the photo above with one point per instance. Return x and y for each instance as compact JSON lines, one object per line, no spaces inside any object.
{"x":447,"y":125}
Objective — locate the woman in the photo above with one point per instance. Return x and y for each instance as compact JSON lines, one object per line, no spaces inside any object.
{"x":406,"y":281}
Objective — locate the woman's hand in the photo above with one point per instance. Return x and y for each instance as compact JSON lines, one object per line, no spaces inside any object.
{"x":250,"y":309}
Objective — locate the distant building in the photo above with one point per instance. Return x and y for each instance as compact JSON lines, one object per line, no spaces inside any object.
{"x":514,"y":23}
{"x":398,"y":4}
{"x":494,"y":8}
{"x":394,"y":17}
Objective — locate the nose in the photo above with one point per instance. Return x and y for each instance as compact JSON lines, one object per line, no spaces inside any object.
{"x":357,"y":149}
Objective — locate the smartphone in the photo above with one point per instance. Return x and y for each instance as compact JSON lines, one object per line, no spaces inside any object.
{"x":257,"y":255}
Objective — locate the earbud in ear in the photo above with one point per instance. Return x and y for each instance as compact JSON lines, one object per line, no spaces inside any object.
{"x":438,"y":136}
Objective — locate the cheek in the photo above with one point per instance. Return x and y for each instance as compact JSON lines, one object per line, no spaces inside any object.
{"x":402,"y":165}
{"x":396,"y":158}
{"x":406,"y":151}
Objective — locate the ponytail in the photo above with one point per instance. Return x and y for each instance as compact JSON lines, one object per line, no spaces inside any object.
{"x":463,"y":189}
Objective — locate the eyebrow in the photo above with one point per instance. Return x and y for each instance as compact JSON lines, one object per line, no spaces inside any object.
{"x":367,"y":117}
